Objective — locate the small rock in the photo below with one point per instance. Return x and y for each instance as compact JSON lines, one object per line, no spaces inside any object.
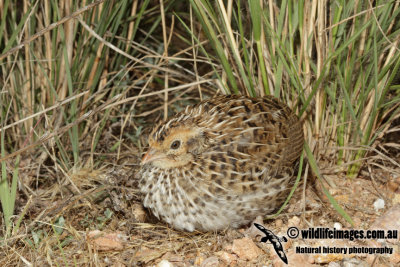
{"x":104,"y":242}
{"x":379,"y":204}
{"x":139,"y":213}
{"x":390,"y":220}
{"x":333,"y":191}
{"x":146,"y":254}
{"x":165,"y":263}
{"x":227,"y":258}
{"x":337,"y":225}
{"x":253,"y":231}
{"x":246,"y":249}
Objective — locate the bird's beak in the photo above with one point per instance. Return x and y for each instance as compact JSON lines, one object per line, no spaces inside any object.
{"x":151,"y":155}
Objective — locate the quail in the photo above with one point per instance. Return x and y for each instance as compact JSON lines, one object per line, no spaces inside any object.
{"x":221,"y":163}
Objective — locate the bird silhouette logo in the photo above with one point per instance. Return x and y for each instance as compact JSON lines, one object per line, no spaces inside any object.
{"x":275,"y":241}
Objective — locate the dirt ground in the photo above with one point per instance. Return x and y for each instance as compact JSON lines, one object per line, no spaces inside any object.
{"x":100,"y":222}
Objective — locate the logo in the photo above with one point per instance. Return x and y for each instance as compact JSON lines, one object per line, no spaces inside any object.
{"x":275,"y":241}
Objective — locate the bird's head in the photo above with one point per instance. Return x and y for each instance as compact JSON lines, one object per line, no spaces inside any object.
{"x":173,"y":147}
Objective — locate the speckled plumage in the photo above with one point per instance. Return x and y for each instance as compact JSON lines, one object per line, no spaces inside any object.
{"x":221,"y":163}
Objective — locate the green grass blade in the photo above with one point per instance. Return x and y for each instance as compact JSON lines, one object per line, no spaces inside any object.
{"x":315,"y":169}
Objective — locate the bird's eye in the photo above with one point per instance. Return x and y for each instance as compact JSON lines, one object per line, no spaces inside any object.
{"x":176,"y":144}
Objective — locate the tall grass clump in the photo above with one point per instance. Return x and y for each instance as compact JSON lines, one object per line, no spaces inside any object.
{"x":62,"y":64}
{"x":72,"y":72}
{"x":334,"y":61}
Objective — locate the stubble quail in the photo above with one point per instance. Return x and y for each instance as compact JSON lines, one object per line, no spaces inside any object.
{"x":221,"y":163}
